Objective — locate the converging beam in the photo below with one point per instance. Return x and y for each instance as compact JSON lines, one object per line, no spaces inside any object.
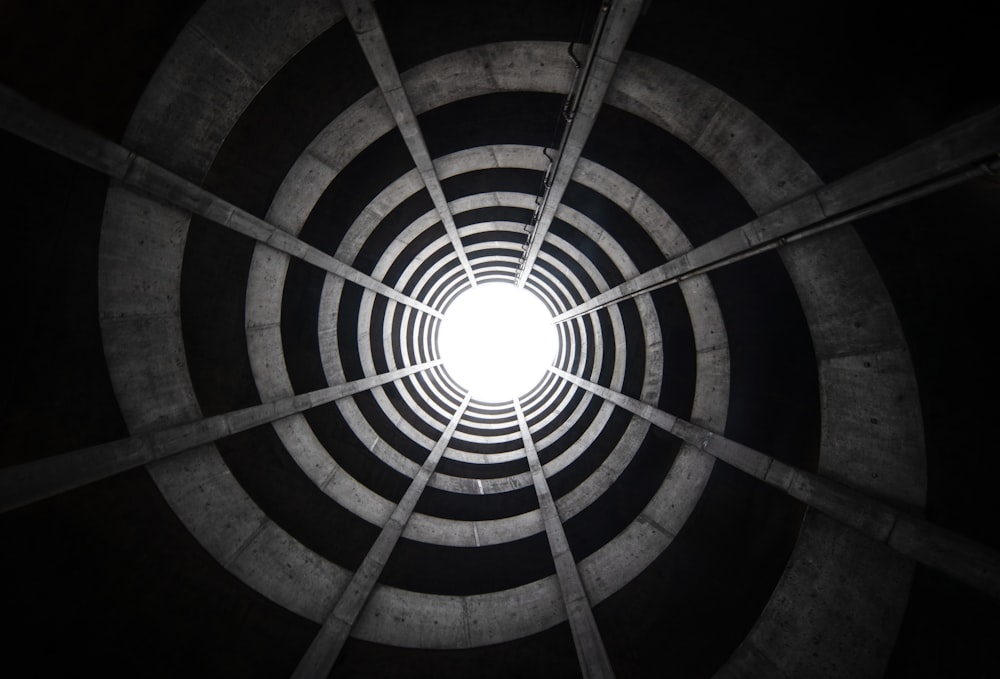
{"x":961,"y":152}
{"x":25,"y":119}
{"x":602,"y":60}
{"x":32,"y":481}
{"x":594,"y":662}
{"x":364,"y":20}
{"x":325,"y":647}
{"x":965,"y":560}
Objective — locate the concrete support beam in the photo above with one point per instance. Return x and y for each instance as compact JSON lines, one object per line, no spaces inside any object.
{"x":602,"y":60}
{"x":32,"y":481}
{"x":33,"y":123}
{"x":959,"y":557}
{"x":325,"y":647}
{"x":594,"y":662}
{"x":364,"y":20}
{"x":958,"y":153}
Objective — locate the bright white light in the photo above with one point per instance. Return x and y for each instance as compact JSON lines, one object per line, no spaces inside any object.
{"x":497,"y":341}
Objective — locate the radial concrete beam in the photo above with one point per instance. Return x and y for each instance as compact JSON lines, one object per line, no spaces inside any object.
{"x":958,"y":153}
{"x":33,"y":123}
{"x":364,"y":20}
{"x":959,"y":557}
{"x":594,"y":662}
{"x":325,"y":647}
{"x":32,"y":481}
{"x":614,"y":28}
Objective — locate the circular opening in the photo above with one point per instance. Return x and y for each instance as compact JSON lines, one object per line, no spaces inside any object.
{"x":497,"y":341}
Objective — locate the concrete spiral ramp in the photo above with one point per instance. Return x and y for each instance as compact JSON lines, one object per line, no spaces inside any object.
{"x":308,"y":251}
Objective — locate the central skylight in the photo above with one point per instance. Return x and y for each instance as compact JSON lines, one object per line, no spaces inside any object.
{"x":497,"y":341}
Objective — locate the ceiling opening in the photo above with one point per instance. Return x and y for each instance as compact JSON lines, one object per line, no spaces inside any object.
{"x":497,"y":340}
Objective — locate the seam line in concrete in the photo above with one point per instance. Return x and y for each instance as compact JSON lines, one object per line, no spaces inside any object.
{"x":247,"y":542}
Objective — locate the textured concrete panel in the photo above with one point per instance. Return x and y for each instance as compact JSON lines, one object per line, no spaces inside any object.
{"x":756,"y":161}
{"x":609,"y":569}
{"x":844,"y":301}
{"x":266,"y":353}
{"x":815,"y":270}
{"x":184,"y":115}
{"x":829,"y":607}
{"x":442,"y":624}
{"x":213,"y":72}
{"x":291,"y":575}
{"x":298,"y":193}
{"x":523,"y":66}
{"x":199,"y":486}
{"x":875,"y":397}
{"x":680,"y":491}
{"x":149,"y":371}
{"x":262,"y":35}
{"x":514,"y":613}
{"x":140,"y":257}
{"x":594,"y":486}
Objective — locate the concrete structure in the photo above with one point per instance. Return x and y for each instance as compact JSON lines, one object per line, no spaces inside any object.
{"x":324,"y":649}
{"x":229,"y":446}
{"x":977,"y":565}
{"x":613,"y":26}
{"x":586,"y":637}
{"x":364,"y":21}
{"x":33,"y":481}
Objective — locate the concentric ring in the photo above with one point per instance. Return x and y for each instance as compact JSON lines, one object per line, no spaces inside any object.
{"x":292,"y":508}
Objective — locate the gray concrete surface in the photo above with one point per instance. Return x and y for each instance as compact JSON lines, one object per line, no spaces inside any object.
{"x":364,"y":21}
{"x":33,"y":481}
{"x":963,"y":559}
{"x":970,"y":142}
{"x":590,"y":651}
{"x":323,"y":651}
{"x":21,"y":117}
{"x":219,"y":62}
{"x":595,"y":77}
